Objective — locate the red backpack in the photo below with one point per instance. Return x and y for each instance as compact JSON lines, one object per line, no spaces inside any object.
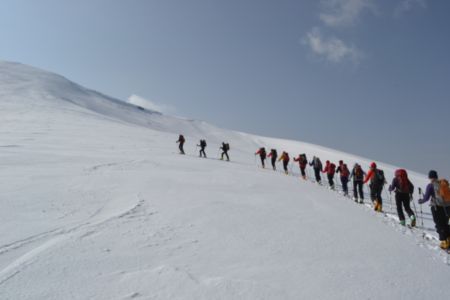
{"x":344,"y":171}
{"x":286,"y":157}
{"x":403,"y":181}
{"x":332,"y":169}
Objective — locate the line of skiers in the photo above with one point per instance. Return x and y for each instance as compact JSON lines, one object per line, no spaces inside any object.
{"x":438,"y":191}
{"x":225,"y":147}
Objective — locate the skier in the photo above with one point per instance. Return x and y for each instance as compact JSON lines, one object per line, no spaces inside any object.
{"x":317,"y":166}
{"x":262,"y":155}
{"x":181,"y":141}
{"x":377,"y":182}
{"x":273,"y":155}
{"x":285,"y":158}
{"x":225,"y":148}
{"x":330,"y":170}
{"x":403,"y":189}
{"x":202,"y":148}
{"x":302,"y":162}
{"x":439,"y":209}
{"x":358,"y":179}
{"x":345,"y":173}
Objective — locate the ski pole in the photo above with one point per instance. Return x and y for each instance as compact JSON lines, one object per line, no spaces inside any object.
{"x":390,"y":201}
{"x":421,"y":213}
{"x":414,"y":204}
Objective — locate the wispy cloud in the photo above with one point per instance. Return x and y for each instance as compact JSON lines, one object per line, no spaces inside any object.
{"x":332,"y":49}
{"x":342,"y":13}
{"x":407,"y":5}
{"x":151,"y":105}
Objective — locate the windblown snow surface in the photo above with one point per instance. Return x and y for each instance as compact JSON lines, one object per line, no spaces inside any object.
{"x":96,"y":203}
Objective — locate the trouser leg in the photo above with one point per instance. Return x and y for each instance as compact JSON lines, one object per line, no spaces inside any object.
{"x":317,"y":173}
{"x":407,"y":205}
{"x":361,"y":191}
{"x":441,"y":222}
{"x":399,"y":203}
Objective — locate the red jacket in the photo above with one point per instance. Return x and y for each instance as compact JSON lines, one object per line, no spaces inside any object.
{"x":369,"y":176}
{"x":301,"y":162}
{"x":330,"y":169}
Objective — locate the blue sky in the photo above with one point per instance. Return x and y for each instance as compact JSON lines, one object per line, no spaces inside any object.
{"x":363,"y":76}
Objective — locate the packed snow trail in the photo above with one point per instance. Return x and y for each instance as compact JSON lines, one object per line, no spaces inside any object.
{"x":96,"y":207}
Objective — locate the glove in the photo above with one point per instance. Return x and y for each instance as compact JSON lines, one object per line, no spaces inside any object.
{"x":421,"y":201}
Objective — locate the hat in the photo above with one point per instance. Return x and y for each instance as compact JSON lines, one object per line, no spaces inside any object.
{"x":373,"y":165}
{"x":432,"y":174}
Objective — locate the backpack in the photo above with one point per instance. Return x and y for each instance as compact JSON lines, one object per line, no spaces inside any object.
{"x":317,"y":164}
{"x":181,"y":139}
{"x":379,"y":178}
{"x":303,"y":159}
{"x":359,"y":175}
{"x":227,"y":146}
{"x":274,"y":153}
{"x":403,"y":181}
{"x":203,"y":143}
{"x":442,"y":192}
{"x":344,"y":171}
{"x":332,"y":168}
{"x":286,"y":156}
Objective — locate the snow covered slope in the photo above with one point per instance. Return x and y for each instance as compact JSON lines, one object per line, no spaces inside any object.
{"x":97,"y":204}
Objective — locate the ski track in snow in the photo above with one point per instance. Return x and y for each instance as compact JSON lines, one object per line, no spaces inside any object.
{"x":54,"y":237}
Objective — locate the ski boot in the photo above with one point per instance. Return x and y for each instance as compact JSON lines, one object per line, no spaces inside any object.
{"x":402,"y":222}
{"x":413,"y":221}
{"x":361,"y":201}
{"x":444,"y":244}
{"x":375,"y":205}
{"x":380,"y":208}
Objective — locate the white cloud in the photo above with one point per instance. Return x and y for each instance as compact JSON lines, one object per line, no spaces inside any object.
{"x":340,"y":13}
{"x":148,"y":104}
{"x":407,"y":5}
{"x":332,"y":49}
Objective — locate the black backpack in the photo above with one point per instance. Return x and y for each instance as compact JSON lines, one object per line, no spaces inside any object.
{"x":227,"y":147}
{"x":358,"y":173}
{"x":303,"y":159}
{"x":379,"y":178}
{"x":202,"y":143}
